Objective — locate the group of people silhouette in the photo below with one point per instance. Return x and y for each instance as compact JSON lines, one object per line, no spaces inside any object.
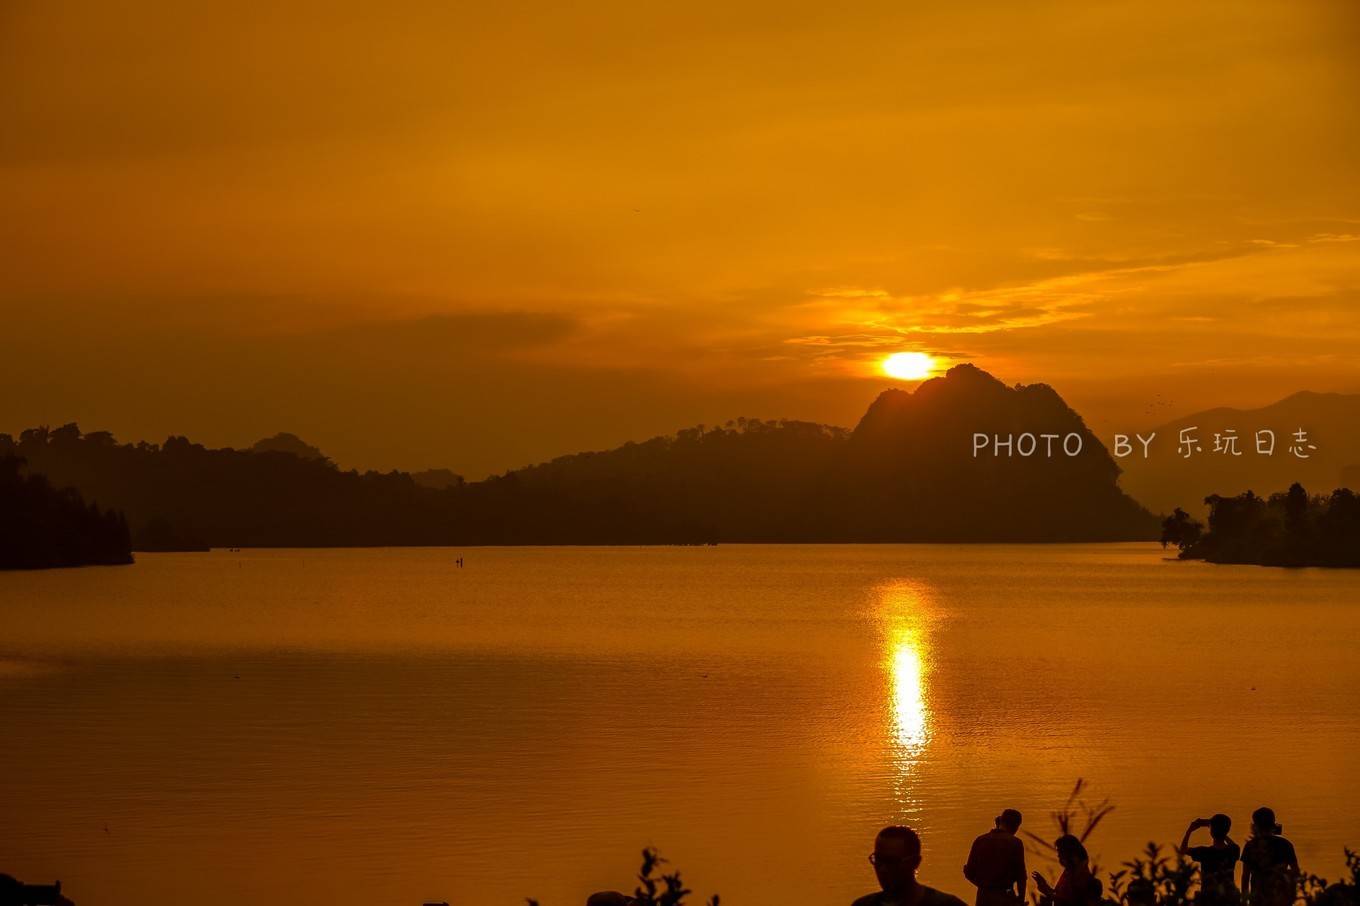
{"x":996,"y":867}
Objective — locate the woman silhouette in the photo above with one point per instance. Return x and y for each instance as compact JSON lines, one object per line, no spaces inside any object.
{"x":1076,"y":885}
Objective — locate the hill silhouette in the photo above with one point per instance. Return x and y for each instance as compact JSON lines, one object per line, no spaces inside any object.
{"x":47,"y":527}
{"x":905,"y":473}
{"x":182,"y":496}
{"x":909,"y":474}
{"x":284,"y":442}
{"x":1332,"y":420}
{"x":439,"y":479}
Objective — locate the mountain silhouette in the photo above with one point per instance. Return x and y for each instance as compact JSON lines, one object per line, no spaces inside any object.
{"x":907,"y":472}
{"x":1165,"y":480}
{"x":438,"y":479}
{"x":283,"y":442}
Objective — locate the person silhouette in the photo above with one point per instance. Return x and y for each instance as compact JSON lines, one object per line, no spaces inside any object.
{"x":1076,"y":885}
{"x":1141,"y":892}
{"x":996,"y":863}
{"x":896,"y":856}
{"x":609,"y":898}
{"x":1270,"y":869}
{"x":1217,"y":861}
{"x":13,"y":891}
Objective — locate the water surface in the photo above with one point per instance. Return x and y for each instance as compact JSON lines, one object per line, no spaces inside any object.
{"x":380,"y":726}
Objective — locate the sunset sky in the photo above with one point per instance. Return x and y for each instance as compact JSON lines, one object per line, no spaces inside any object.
{"x":480,"y":235}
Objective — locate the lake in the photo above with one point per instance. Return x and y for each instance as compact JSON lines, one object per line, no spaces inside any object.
{"x":383,"y":727}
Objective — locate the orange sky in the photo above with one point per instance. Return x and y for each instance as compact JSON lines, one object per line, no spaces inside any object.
{"x":478,"y":235}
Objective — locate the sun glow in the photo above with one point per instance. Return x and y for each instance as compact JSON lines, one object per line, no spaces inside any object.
{"x":908,"y":366}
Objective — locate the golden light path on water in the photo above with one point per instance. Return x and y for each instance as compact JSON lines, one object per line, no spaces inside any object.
{"x":905,"y":610}
{"x":910,"y":717}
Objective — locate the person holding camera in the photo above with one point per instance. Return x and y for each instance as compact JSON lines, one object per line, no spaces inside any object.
{"x":1217,"y":861}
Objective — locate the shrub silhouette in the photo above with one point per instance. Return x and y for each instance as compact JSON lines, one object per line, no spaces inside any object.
{"x":656,"y":888}
{"x":1157,"y":877}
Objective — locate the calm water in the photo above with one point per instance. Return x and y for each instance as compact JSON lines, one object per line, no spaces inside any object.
{"x":380,"y":727}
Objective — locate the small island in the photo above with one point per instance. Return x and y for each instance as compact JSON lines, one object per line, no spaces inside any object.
{"x":1285,"y":529}
{"x":44,"y":527}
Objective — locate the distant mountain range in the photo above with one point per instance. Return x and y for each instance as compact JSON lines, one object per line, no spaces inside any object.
{"x":284,"y":442}
{"x":909,"y":471}
{"x":1331,"y":421}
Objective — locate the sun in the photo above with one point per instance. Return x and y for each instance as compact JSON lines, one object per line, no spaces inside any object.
{"x":908,"y":366}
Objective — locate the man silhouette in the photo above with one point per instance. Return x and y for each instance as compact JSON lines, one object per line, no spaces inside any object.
{"x":609,"y":898}
{"x":17,"y":893}
{"x":1270,"y":869}
{"x":896,"y":856}
{"x":996,"y":863}
{"x":1217,"y":862}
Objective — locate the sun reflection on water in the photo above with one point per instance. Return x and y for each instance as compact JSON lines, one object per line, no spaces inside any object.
{"x":911,"y":720}
{"x":905,"y":613}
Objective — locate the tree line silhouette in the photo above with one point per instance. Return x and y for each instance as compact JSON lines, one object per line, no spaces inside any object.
{"x":42,"y":526}
{"x":1289,"y":528}
{"x":903,"y":474}
{"x":744,"y":480}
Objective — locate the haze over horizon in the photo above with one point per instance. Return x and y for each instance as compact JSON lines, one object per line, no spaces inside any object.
{"x":478,"y":238}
